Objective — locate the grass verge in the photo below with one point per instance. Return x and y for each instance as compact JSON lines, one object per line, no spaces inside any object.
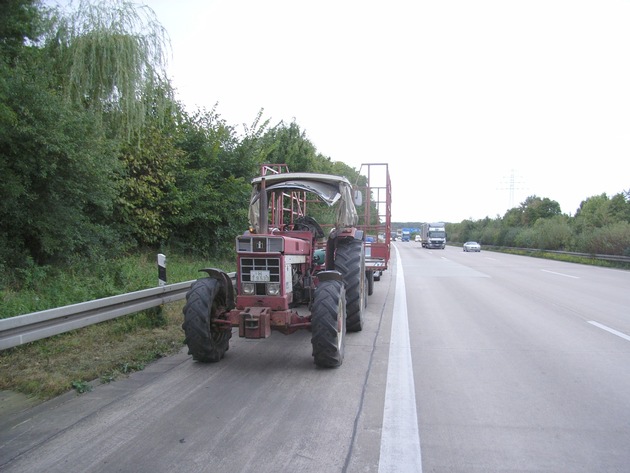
{"x":565,"y":258}
{"x":107,"y":351}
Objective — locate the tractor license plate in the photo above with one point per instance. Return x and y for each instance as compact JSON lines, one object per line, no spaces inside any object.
{"x":259,"y":275}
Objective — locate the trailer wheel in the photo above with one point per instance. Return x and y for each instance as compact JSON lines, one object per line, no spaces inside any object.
{"x":205,"y":342}
{"x":350,"y":262}
{"x":370,"y":282}
{"x":328,"y":324}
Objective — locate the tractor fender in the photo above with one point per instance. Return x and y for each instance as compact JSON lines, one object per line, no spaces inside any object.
{"x":349,"y":232}
{"x":227,"y":280}
{"x":331,"y":243}
{"x":331,"y":275}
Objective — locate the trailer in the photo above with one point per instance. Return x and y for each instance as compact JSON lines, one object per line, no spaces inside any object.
{"x":375,"y":218}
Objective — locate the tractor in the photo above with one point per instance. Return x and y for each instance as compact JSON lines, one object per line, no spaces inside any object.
{"x":292,"y":272}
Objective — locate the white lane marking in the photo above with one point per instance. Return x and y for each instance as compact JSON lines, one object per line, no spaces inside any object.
{"x":400,"y":439}
{"x":611,"y":330}
{"x":559,"y":274}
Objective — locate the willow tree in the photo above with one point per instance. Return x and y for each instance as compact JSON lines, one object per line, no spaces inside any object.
{"x":110,"y":57}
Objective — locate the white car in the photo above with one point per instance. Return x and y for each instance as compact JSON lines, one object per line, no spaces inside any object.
{"x":472,"y":246}
{"x":418,"y":238}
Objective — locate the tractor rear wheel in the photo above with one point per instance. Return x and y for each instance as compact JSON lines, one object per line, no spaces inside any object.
{"x":206,"y":342}
{"x":328,"y":324}
{"x":350,"y":262}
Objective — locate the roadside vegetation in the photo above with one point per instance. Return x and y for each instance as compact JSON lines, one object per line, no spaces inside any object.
{"x":99,"y":353}
{"x":600,"y":226}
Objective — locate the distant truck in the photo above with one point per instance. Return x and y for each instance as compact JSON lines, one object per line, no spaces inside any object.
{"x":406,"y":235}
{"x":433,"y":235}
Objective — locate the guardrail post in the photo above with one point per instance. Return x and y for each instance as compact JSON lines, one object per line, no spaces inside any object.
{"x":161,"y":262}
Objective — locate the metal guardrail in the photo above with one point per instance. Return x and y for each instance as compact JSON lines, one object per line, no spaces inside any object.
{"x":618,"y":258}
{"x":26,"y":328}
{"x":21,"y":329}
{"x":15,"y":331}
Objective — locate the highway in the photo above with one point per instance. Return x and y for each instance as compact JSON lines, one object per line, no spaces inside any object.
{"x":468,"y":362}
{"x":511,"y":373}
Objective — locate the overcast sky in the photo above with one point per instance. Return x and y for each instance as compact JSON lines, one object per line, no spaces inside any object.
{"x":475,"y":105}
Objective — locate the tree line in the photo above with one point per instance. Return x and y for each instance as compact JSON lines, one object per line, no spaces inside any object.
{"x":98,"y":158}
{"x":601,"y":225}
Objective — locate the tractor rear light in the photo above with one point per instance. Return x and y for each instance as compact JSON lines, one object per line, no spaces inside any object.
{"x":248,"y":288}
{"x":273,"y":289}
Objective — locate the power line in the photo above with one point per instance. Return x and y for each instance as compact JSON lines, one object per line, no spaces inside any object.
{"x":512,"y":186}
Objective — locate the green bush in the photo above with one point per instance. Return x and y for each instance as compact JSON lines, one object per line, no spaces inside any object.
{"x":611,"y":239}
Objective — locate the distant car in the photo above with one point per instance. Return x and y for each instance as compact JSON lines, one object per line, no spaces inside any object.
{"x":472,"y":246}
{"x":418,"y":238}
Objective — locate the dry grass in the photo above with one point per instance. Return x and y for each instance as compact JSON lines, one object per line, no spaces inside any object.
{"x":105,"y":352}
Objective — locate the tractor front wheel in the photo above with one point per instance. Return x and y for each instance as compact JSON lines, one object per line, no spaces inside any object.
{"x":204,"y":302}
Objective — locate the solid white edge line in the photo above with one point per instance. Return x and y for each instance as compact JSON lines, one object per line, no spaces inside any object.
{"x":610,"y":330}
{"x":400,"y":439}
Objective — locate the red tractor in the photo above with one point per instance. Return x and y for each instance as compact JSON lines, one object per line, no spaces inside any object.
{"x":290,"y":274}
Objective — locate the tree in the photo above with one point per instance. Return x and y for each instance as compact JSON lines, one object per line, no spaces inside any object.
{"x":594,"y":212}
{"x":620,"y":208}
{"x":253,"y":150}
{"x":55,"y":162}
{"x":513,"y":217}
{"x":57,"y":171}
{"x":110,"y":60}
{"x":613,"y":239}
{"x":148,"y":198}
{"x":535,"y":208}
{"x":553,"y":233}
{"x":19,"y":21}
{"x":289,"y":145}
{"x":213,"y":187}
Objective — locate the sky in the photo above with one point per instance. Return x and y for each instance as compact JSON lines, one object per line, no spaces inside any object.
{"x":474,"y":104}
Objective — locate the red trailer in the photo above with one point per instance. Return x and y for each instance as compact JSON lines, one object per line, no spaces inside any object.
{"x":375,"y":217}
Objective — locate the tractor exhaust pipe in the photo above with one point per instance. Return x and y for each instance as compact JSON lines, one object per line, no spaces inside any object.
{"x":262,"y":214}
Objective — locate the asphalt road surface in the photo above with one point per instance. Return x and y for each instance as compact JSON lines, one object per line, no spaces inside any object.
{"x":468,"y":362}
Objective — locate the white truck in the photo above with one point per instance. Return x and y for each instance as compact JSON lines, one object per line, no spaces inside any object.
{"x":433,"y":235}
